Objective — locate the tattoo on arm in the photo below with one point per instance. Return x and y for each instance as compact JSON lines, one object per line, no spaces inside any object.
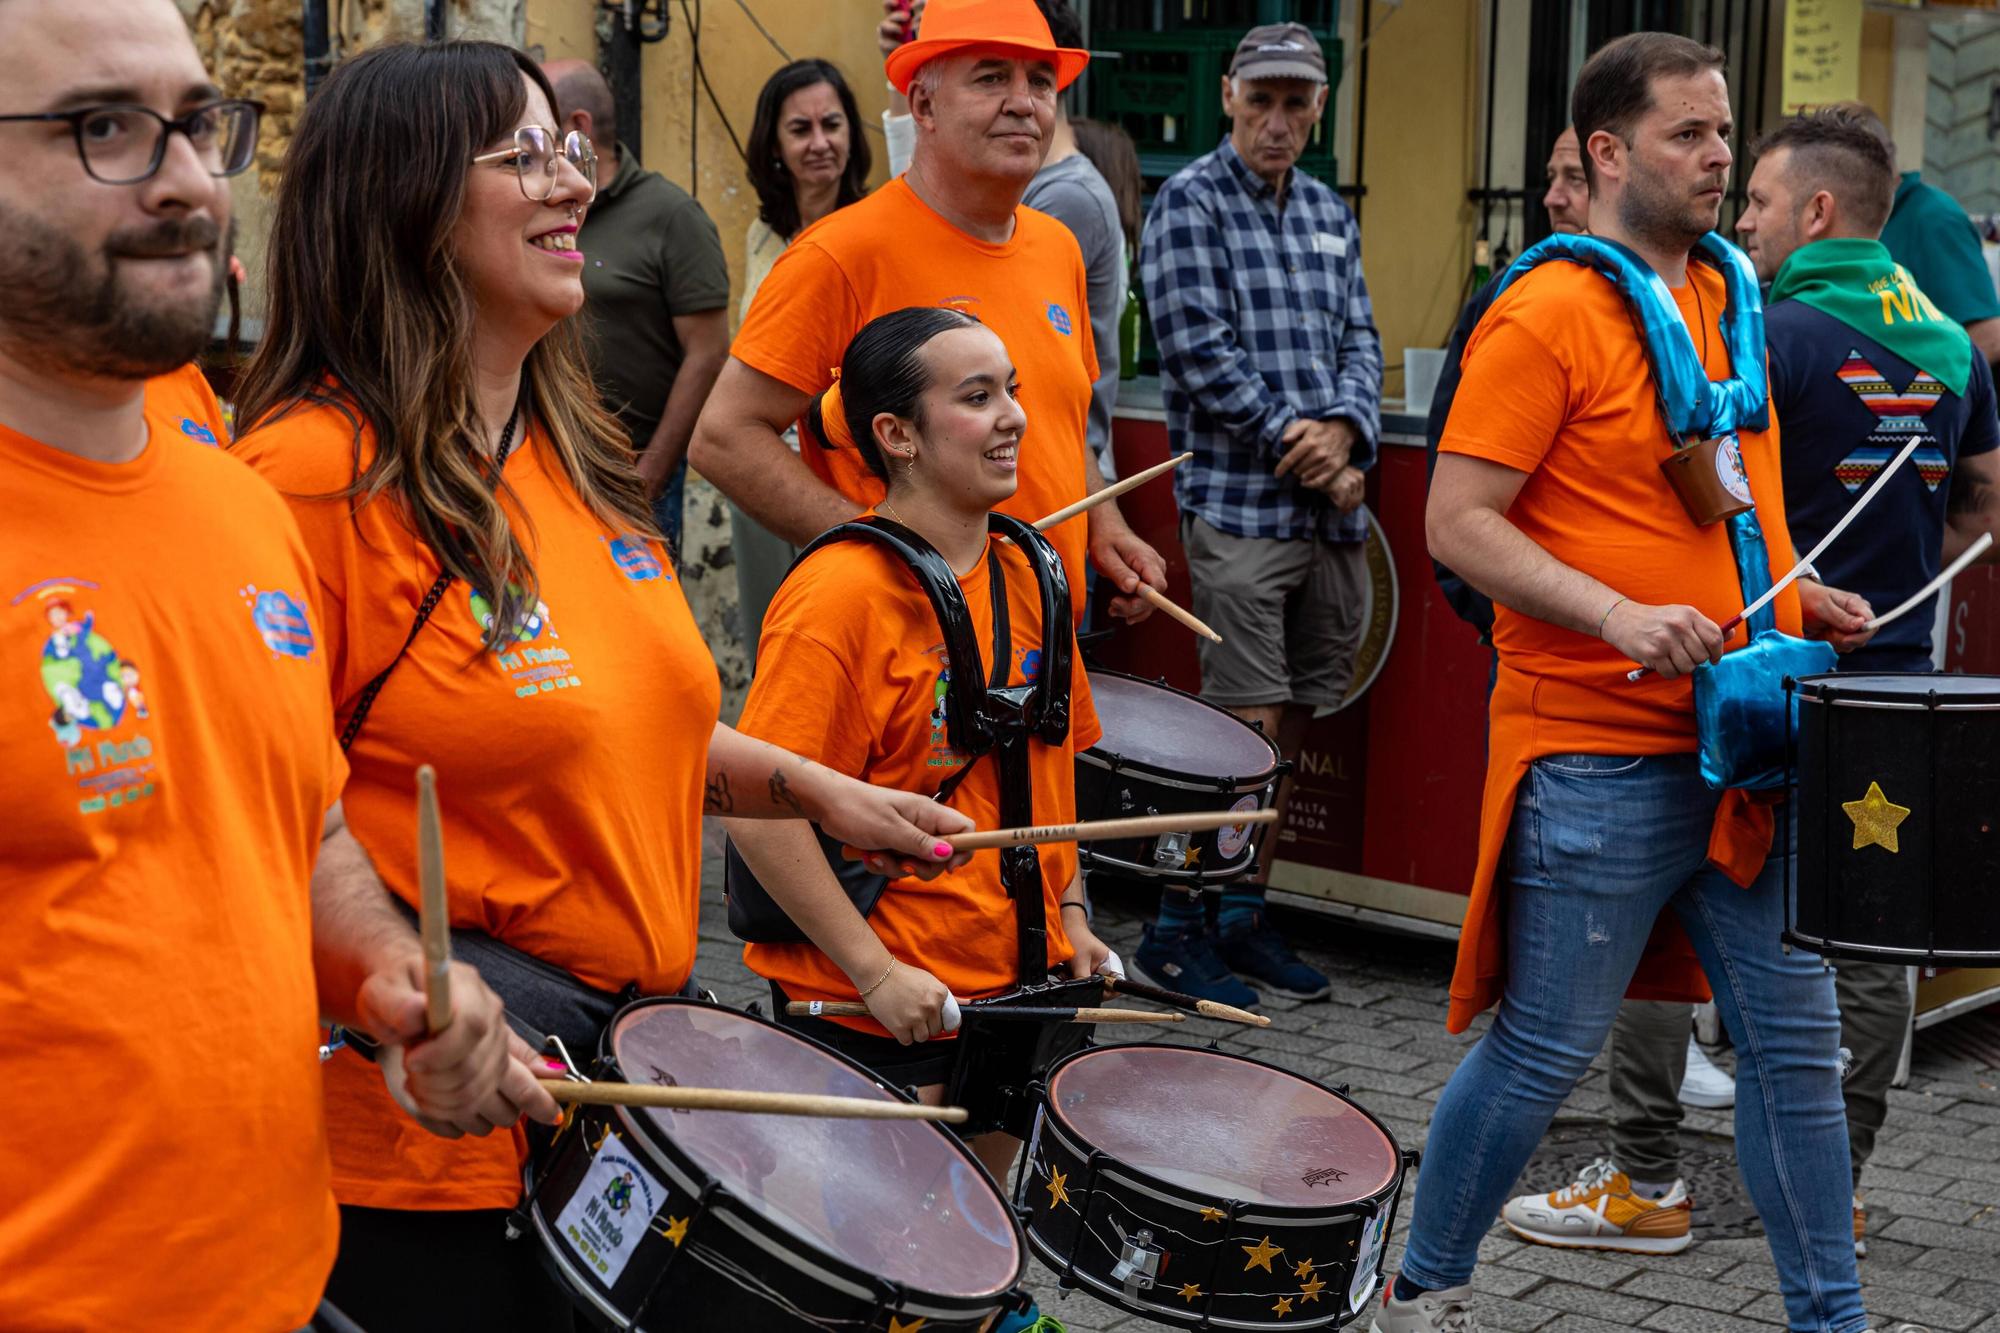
{"x":781,"y":794}
{"x":716,"y":799}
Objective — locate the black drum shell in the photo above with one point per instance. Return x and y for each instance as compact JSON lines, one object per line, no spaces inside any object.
{"x":1072,"y":1245}
{"x":671,"y":1288}
{"x":1111,"y":785}
{"x":1933,"y":745}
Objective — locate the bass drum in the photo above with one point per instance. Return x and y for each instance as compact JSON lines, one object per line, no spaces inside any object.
{"x":1164,"y":751}
{"x":1206,"y":1190}
{"x":720,"y":1221}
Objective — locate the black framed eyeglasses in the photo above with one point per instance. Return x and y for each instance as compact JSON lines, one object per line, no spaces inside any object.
{"x":123,"y":145}
{"x":535,"y":154}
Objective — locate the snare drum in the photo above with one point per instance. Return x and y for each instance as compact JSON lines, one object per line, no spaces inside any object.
{"x":1164,"y":751}
{"x":719,"y":1221}
{"x":1207,"y":1190}
{"x":1898,"y":818}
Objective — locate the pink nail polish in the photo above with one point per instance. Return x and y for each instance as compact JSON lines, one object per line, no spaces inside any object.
{"x":942,"y":851}
{"x":556,"y":1066}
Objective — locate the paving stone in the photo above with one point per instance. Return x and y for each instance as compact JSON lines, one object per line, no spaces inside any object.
{"x":1576,"y":1323}
{"x":1680,"y":1319}
{"x":1905,"y":1204}
{"x":1583,"y":1267}
{"x":1594,"y":1304}
{"x":1712,"y":1296}
{"x":1940,"y":1235}
{"x":1930,"y":1310}
{"x":1500,"y":1280}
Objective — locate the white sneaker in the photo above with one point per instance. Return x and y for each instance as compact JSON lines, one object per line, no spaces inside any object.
{"x":1704,"y":1085}
{"x":1447,"y":1311}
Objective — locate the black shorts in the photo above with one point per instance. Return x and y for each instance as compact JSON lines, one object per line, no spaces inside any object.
{"x":918,"y":1065}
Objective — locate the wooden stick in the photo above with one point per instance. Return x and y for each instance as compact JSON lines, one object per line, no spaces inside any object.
{"x":741,"y":1099}
{"x":1207,"y":1008}
{"x":1161,"y":603}
{"x":1058,"y":1014}
{"x":1111,"y":492}
{"x":433,"y":916}
{"x":1137,"y":826}
{"x":1965,"y":557}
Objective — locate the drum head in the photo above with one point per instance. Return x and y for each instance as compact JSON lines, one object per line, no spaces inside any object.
{"x":1911,"y":689}
{"x":1222,"y":1126}
{"x":897,"y":1198}
{"x":1174,"y":732}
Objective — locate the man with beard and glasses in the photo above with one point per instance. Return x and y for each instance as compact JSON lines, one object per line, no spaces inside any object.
{"x":1549,"y":497}
{"x":183,"y":901}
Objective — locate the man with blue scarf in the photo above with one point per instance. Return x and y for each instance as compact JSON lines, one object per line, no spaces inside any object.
{"x":1610,"y":477}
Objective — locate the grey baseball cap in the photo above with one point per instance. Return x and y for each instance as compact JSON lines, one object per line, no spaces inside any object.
{"x":1279,"y":51}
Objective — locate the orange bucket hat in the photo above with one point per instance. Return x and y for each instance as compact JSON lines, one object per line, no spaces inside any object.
{"x":1014,"y":26}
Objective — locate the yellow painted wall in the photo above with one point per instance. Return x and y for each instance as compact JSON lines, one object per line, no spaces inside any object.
{"x":561,"y":29}
{"x":1878,"y":57}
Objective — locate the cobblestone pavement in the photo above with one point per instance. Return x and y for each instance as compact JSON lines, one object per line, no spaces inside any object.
{"x":1934,"y":1230}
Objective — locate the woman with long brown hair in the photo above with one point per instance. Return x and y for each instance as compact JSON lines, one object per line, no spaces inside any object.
{"x":499,"y":606}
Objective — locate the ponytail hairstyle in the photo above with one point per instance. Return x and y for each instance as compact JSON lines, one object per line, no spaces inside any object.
{"x":883,"y":370}
{"x":368,"y":311}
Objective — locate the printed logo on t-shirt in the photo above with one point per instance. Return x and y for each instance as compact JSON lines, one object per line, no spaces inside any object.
{"x":942,"y":755}
{"x":1059,"y":319}
{"x":281,"y":622}
{"x":1898,"y":416}
{"x":197,"y":432}
{"x":533,"y":660}
{"x":635,"y":559}
{"x":96,"y":696}
{"x":1030,"y":662}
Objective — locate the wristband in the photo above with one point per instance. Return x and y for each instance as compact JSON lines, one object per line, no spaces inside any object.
{"x":1605,"y":619}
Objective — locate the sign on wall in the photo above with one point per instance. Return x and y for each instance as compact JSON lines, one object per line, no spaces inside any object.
{"x":1822,"y":53}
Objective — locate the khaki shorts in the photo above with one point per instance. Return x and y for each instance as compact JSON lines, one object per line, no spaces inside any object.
{"x":1289,"y":613}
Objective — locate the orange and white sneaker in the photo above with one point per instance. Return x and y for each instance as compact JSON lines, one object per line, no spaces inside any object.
{"x":1600,"y":1212}
{"x":1860,"y":1228}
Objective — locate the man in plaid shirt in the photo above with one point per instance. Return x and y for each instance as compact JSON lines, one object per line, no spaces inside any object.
{"x":1273,"y":376}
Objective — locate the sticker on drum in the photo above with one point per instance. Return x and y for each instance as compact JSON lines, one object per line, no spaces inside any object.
{"x":605,"y":1219}
{"x":1232,"y":840}
{"x":1363,"y":1285}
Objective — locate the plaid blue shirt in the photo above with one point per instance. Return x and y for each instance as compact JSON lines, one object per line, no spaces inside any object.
{"x":1262,"y":317}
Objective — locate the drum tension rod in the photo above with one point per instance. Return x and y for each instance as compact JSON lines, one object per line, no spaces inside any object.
{"x":553,"y":1045}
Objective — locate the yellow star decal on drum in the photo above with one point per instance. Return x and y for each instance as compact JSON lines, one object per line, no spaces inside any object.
{"x":1283,"y":1307}
{"x":1261,"y":1254}
{"x":1058,"y":1189}
{"x":1875,"y":818}
{"x":1211,"y":1214}
{"x":898,"y":1326}
{"x":1191,"y":858}
{"x":1189,"y":1291}
{"x":1311,"y":1290}
{"x":675,"y":1230}
{"x":1302,"y":1269}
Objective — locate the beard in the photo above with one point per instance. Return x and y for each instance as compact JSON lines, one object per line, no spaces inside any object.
{"x":1661,"y":214}
{"x":68,"y":311}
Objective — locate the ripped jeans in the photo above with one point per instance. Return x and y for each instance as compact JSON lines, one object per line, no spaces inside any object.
{"x":1598,"y":846}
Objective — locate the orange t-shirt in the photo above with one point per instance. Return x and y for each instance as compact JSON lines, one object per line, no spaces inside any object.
{"x":165,"y":766}
{"x":1556,"y":384}
{"x":863,"y":694}
{"x":890,"y":251}
{"x":569,"y":766}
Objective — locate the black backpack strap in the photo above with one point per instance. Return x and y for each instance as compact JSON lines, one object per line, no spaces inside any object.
{"x":1050,"y":711}
{"x":374,"y":687}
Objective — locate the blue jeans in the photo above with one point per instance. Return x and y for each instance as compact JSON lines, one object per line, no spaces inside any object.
{"x":1598,"y":846}
{"x":667,"y":509}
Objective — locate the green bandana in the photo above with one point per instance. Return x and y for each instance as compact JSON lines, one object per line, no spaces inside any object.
{"x":1857,"y":283}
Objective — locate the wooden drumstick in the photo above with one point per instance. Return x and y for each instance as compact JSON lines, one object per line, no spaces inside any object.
{"x":433,"y":916}
{"x":742,"y":1099}
{"x":1111,"y":492}
{"x":1161,"y":603}
{"x":1118,"y":985}
{"x":1055,"y":1014}
{"x":1137,"y":826}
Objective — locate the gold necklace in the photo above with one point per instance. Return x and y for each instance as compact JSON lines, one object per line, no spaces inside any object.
{"x":886,"y":508}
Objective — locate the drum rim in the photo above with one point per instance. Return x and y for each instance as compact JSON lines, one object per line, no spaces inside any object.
{"x":1836,"y":689}
{"x":1051,"y":1120}
{"x":649,"y":1140}
{"x":1116,"y":762}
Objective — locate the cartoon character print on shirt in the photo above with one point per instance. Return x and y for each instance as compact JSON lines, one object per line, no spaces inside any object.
{"x":1898,"y":416}
{"x":532,"y":659}
{"x":96,"y":695}
{"x":942,"y":755}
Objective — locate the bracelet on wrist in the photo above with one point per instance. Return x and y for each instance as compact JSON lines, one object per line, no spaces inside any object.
{"x":1605,"y":619}
{"x":1081,"y":907}
{"x":869,"y":990}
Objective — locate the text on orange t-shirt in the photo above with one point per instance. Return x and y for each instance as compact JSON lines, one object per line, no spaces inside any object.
{"x":166,"y":764}
{"x":890,"y":251}
{"x":852,"y":672}
{"x":569,"y":764}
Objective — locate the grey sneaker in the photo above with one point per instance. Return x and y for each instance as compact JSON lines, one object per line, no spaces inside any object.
{"x":1447,"y":1311}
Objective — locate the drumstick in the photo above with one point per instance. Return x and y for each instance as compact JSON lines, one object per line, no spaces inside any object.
{"x":742,"y":1099}
{"x":433,"y":917}
{"x":1137,"y":826}
{"x":1966,"y":557}
{"x":1854,"y":510}
{"x":1043,"y":1014}
{"x":1208,"y":1008}
{"x":1161,"y":603}
{"x":1111,"y":492}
